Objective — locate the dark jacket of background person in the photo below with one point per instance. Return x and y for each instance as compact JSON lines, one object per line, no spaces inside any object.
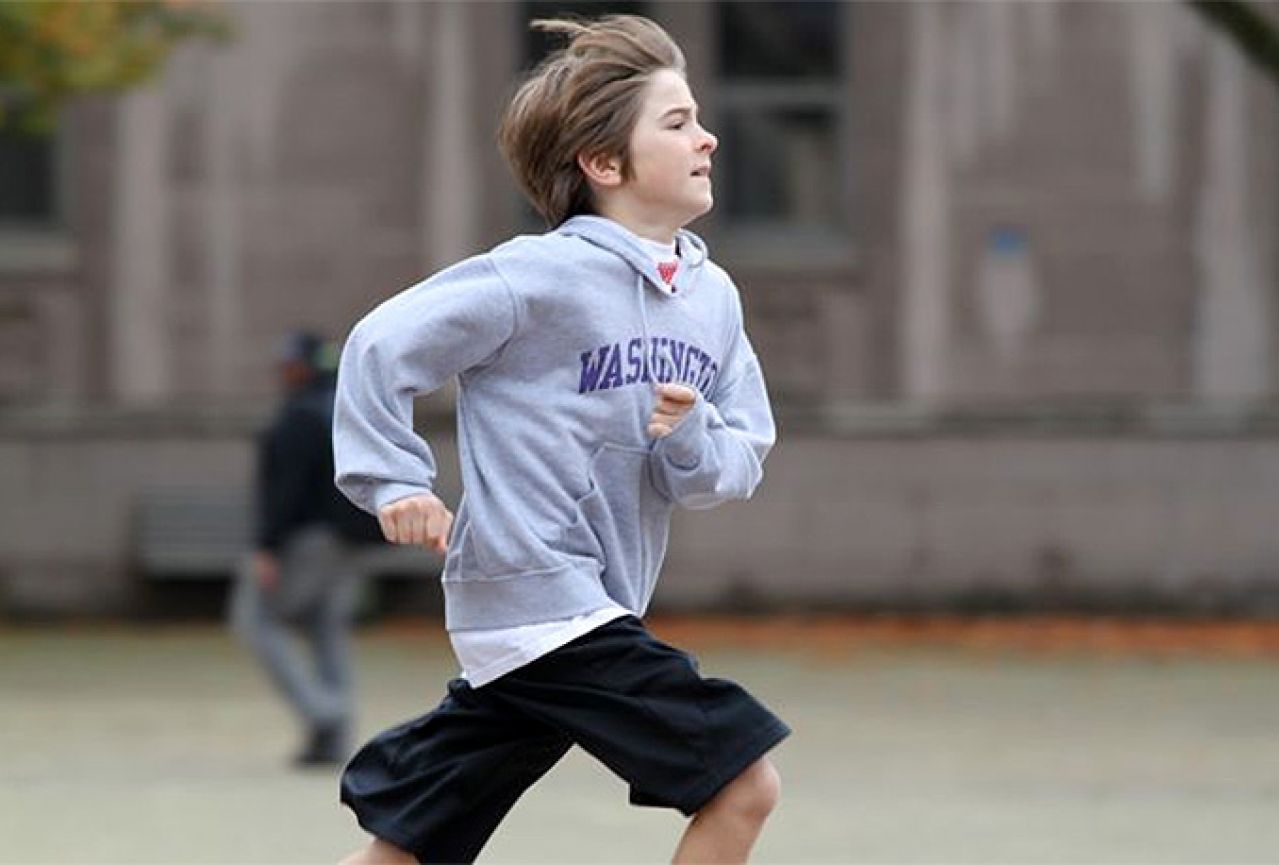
{"x":295,"y":476}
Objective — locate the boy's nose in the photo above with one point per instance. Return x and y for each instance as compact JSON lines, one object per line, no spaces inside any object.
{"x":709,"y":143}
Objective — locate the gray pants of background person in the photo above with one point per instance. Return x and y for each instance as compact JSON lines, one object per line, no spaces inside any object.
{"x":315,"y":600}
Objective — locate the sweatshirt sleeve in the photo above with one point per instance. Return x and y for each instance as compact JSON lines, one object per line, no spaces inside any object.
{"x":458,"y":320}
{"x":716,"y":453}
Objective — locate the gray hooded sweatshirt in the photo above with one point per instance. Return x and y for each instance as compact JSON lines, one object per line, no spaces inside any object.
{"x":556,"y":341}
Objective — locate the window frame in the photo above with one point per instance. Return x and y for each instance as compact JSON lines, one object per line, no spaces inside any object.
{"x":47,"y":245}
{"x":782,"y":244}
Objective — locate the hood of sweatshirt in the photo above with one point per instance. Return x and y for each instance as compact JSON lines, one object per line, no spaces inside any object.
{"x":609,"y":235}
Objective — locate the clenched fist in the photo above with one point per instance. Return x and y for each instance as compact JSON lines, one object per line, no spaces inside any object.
{"x":674,"y":401}
{"x":422,"y":520}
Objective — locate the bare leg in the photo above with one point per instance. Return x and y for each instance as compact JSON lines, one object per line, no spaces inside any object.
{"x":723,"y":832}
{"x":380,"y":852}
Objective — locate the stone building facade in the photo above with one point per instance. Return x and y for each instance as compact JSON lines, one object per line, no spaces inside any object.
{"x":1011,"y":268}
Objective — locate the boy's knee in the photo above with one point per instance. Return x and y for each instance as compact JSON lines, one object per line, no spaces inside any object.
{"x":379,"y":852}
{"x":753,"y":794}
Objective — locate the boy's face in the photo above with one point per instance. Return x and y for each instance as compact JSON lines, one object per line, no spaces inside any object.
{"x":670,"y":156}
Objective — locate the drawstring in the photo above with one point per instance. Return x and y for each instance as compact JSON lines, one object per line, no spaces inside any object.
{"x":648,"y":344}
{"x":647,"y":347}
{"x":651,"y":347}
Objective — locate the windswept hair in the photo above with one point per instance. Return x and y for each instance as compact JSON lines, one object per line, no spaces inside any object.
{"x":584,"y":98}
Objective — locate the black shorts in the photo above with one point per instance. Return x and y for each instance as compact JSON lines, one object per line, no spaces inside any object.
{"x":439,"y":785}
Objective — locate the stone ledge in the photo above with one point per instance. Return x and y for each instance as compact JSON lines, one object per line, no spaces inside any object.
{"x":861,"y":420}
{"x":1158,"y":420}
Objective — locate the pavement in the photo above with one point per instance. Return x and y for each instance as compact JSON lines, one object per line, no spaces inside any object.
{"x":164,"y":744}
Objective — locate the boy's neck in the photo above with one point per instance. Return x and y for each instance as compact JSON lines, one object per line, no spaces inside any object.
{"x":651,"y":229}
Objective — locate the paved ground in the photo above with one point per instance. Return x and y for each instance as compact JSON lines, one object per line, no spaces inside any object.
{"x":952,"y":744}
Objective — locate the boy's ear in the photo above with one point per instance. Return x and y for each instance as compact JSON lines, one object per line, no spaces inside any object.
{"x":601,"y":169}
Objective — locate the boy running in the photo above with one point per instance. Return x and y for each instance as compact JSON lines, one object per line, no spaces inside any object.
{"x":604,"y":379}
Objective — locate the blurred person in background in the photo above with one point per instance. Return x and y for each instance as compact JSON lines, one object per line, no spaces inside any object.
{"x":303,"y":576}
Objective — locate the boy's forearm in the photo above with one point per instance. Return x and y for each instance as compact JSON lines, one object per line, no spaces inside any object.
{"x":378,"y":456}
{"x":706,"y":462}
{"x":408,"y":347}
{"x":373,"y":472}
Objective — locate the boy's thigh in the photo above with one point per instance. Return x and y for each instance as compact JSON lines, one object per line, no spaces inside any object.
{"x":438,"y":785}
{"x":642,"y":708}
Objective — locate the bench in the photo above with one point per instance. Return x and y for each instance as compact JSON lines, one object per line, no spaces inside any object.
{"x":194,"y":533}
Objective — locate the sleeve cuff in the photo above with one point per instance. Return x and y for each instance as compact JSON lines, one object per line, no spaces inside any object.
{"x":390,"y":493}
{"x":683,"y":447}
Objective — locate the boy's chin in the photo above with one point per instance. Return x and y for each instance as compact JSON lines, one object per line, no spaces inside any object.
{"x":691,"y":210}
{"x":702,"y":208}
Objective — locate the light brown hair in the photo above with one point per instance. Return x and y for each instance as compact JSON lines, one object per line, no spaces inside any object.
{"x":584,"y":98}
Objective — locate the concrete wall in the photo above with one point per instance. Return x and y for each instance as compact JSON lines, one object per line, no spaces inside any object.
{"x":68,"y":510}
{"x":998,"y":522}
{"x":1116,"y":515}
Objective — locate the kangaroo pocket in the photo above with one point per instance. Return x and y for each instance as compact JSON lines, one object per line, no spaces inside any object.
{"x":621,"y":523}
{"x":495,"y":548}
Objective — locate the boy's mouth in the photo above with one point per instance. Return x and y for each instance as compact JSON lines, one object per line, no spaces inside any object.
{"x":702,"y":171}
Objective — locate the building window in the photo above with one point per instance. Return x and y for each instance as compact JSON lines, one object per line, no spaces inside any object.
{"x":33,"y":235}
{"x":781,"y":118}
{"x":28,"y":188}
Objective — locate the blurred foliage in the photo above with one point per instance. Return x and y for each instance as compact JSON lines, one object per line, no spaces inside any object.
{"x":51,"y":50}
{"x":1254,"y":33}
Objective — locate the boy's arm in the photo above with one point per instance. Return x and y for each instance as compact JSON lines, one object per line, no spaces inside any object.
{"x":458,"y":320}
{"x":715,"y":452}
